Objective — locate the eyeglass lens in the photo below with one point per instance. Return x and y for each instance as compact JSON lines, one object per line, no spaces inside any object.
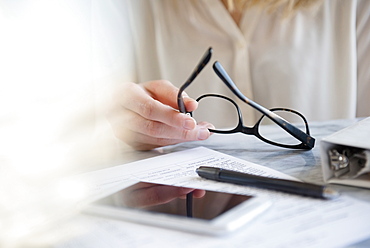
{"x":270,"y":131}
{"x":230,"y":120}
{"x":209,"y":109}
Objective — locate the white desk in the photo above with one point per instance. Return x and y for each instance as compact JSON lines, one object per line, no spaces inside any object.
{"x":304,"y":165}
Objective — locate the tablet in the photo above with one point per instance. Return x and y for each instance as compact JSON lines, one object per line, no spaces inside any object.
{"x":209,"y":212}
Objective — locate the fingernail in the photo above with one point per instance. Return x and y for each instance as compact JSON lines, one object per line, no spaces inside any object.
{"x":188,"y":98}
{"x":209,"y":126}
{"x":189,"y":124}
{"x":203,"y":134}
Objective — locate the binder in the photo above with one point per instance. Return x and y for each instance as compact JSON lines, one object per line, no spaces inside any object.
{"x":345,"y":155}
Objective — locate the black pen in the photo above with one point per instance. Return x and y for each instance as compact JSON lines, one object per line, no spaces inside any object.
{"x":288,"y":186}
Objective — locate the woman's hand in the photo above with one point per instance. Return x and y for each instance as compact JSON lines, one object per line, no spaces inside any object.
{"x":145,"y":116}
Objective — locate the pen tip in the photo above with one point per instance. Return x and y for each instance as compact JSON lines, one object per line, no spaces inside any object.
{"x":330,"y":193}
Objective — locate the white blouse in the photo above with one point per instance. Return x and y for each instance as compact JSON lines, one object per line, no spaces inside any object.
{"x":316,"y":62}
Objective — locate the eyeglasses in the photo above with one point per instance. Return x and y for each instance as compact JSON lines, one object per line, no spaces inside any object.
{"x":305,"y":141}
{"x":293,"y":137}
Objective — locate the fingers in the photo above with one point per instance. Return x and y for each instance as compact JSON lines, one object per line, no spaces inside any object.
{"x":147,"y":194}
{"x":142,"y":121}
{"x":166,"y":93}
{"x":157,"y":101}
{"x":197,"y":193}
{"x":144,"y":142}
{"x":144,"y":134}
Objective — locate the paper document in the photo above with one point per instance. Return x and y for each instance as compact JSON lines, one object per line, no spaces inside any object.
{"x":291,"y":221}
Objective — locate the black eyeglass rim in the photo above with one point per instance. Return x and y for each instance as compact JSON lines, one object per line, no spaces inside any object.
{"x":255,"y":129}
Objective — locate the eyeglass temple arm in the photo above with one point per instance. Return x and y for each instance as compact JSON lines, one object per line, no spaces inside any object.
{"x":294,"y":131}
{"x":202,"y":63}
{"x":180,"y":103}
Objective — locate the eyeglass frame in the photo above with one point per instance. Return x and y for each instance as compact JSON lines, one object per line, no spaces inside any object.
{"x":240,"y":128}
{"x":308,"y":141}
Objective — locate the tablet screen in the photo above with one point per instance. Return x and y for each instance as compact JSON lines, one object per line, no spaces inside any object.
{"x":172,"y":200}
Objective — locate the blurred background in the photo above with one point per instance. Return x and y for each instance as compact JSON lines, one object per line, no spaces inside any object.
{"x":56,"y":58}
